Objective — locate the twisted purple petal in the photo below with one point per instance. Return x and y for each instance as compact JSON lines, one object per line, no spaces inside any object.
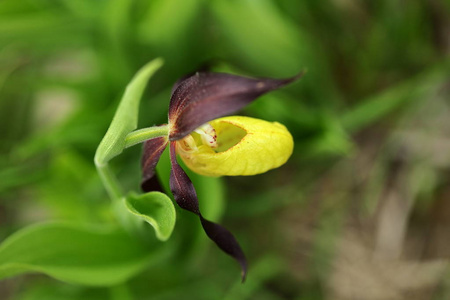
{"x":186,"y":197}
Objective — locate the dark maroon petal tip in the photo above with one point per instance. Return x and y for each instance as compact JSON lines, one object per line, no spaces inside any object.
{"x":226,"y":241}
{"x":152,"y":152}
{"x":186,"y":197}
{"x":206,"y":96}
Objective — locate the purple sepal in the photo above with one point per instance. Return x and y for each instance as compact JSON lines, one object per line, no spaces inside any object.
{"x":152,"y":152}
{"x":206,"y":96}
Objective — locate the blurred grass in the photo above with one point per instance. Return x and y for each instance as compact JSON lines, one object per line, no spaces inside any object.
{"x":370,"y":121}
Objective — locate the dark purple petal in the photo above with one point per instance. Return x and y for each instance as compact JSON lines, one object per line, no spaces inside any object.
{"x":181,"y":186}
{"x":226,"y":241}
{"x":152,"y":152}
{"x":206,"y":96}
{"x":184,"y":193}
{"x":206,"y":67}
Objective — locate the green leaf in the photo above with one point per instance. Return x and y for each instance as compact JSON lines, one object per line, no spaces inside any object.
{"x":379,"y":106}
{"x":126,"y":117}
{"x":74,"y":253}
{"x":244,"y":23}
{"x":167,"y":21}
{"x":260,"y":37}
{"x":331,"y":139}
{"x":156,"y":209}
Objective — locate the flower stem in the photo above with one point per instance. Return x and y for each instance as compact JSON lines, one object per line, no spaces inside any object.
{"x":110,"y":182}
{"x":112,"y":186}
{"x":144,"y":134}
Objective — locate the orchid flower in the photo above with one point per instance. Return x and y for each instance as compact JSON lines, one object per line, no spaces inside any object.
{"x":233,"y":145}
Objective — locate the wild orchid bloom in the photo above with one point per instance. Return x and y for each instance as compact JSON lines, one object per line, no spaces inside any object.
{"x":226,"y":146}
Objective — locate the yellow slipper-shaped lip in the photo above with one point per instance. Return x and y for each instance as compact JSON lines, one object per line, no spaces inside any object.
{"x":246,"y":146}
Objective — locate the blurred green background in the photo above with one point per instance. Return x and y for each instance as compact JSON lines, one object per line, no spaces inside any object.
{"x":360,"y":211}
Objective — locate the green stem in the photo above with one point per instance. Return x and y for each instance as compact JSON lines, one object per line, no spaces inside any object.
{"x":110,"y":182}
{"x":142,"y":135}
{"x":115,"y":192}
